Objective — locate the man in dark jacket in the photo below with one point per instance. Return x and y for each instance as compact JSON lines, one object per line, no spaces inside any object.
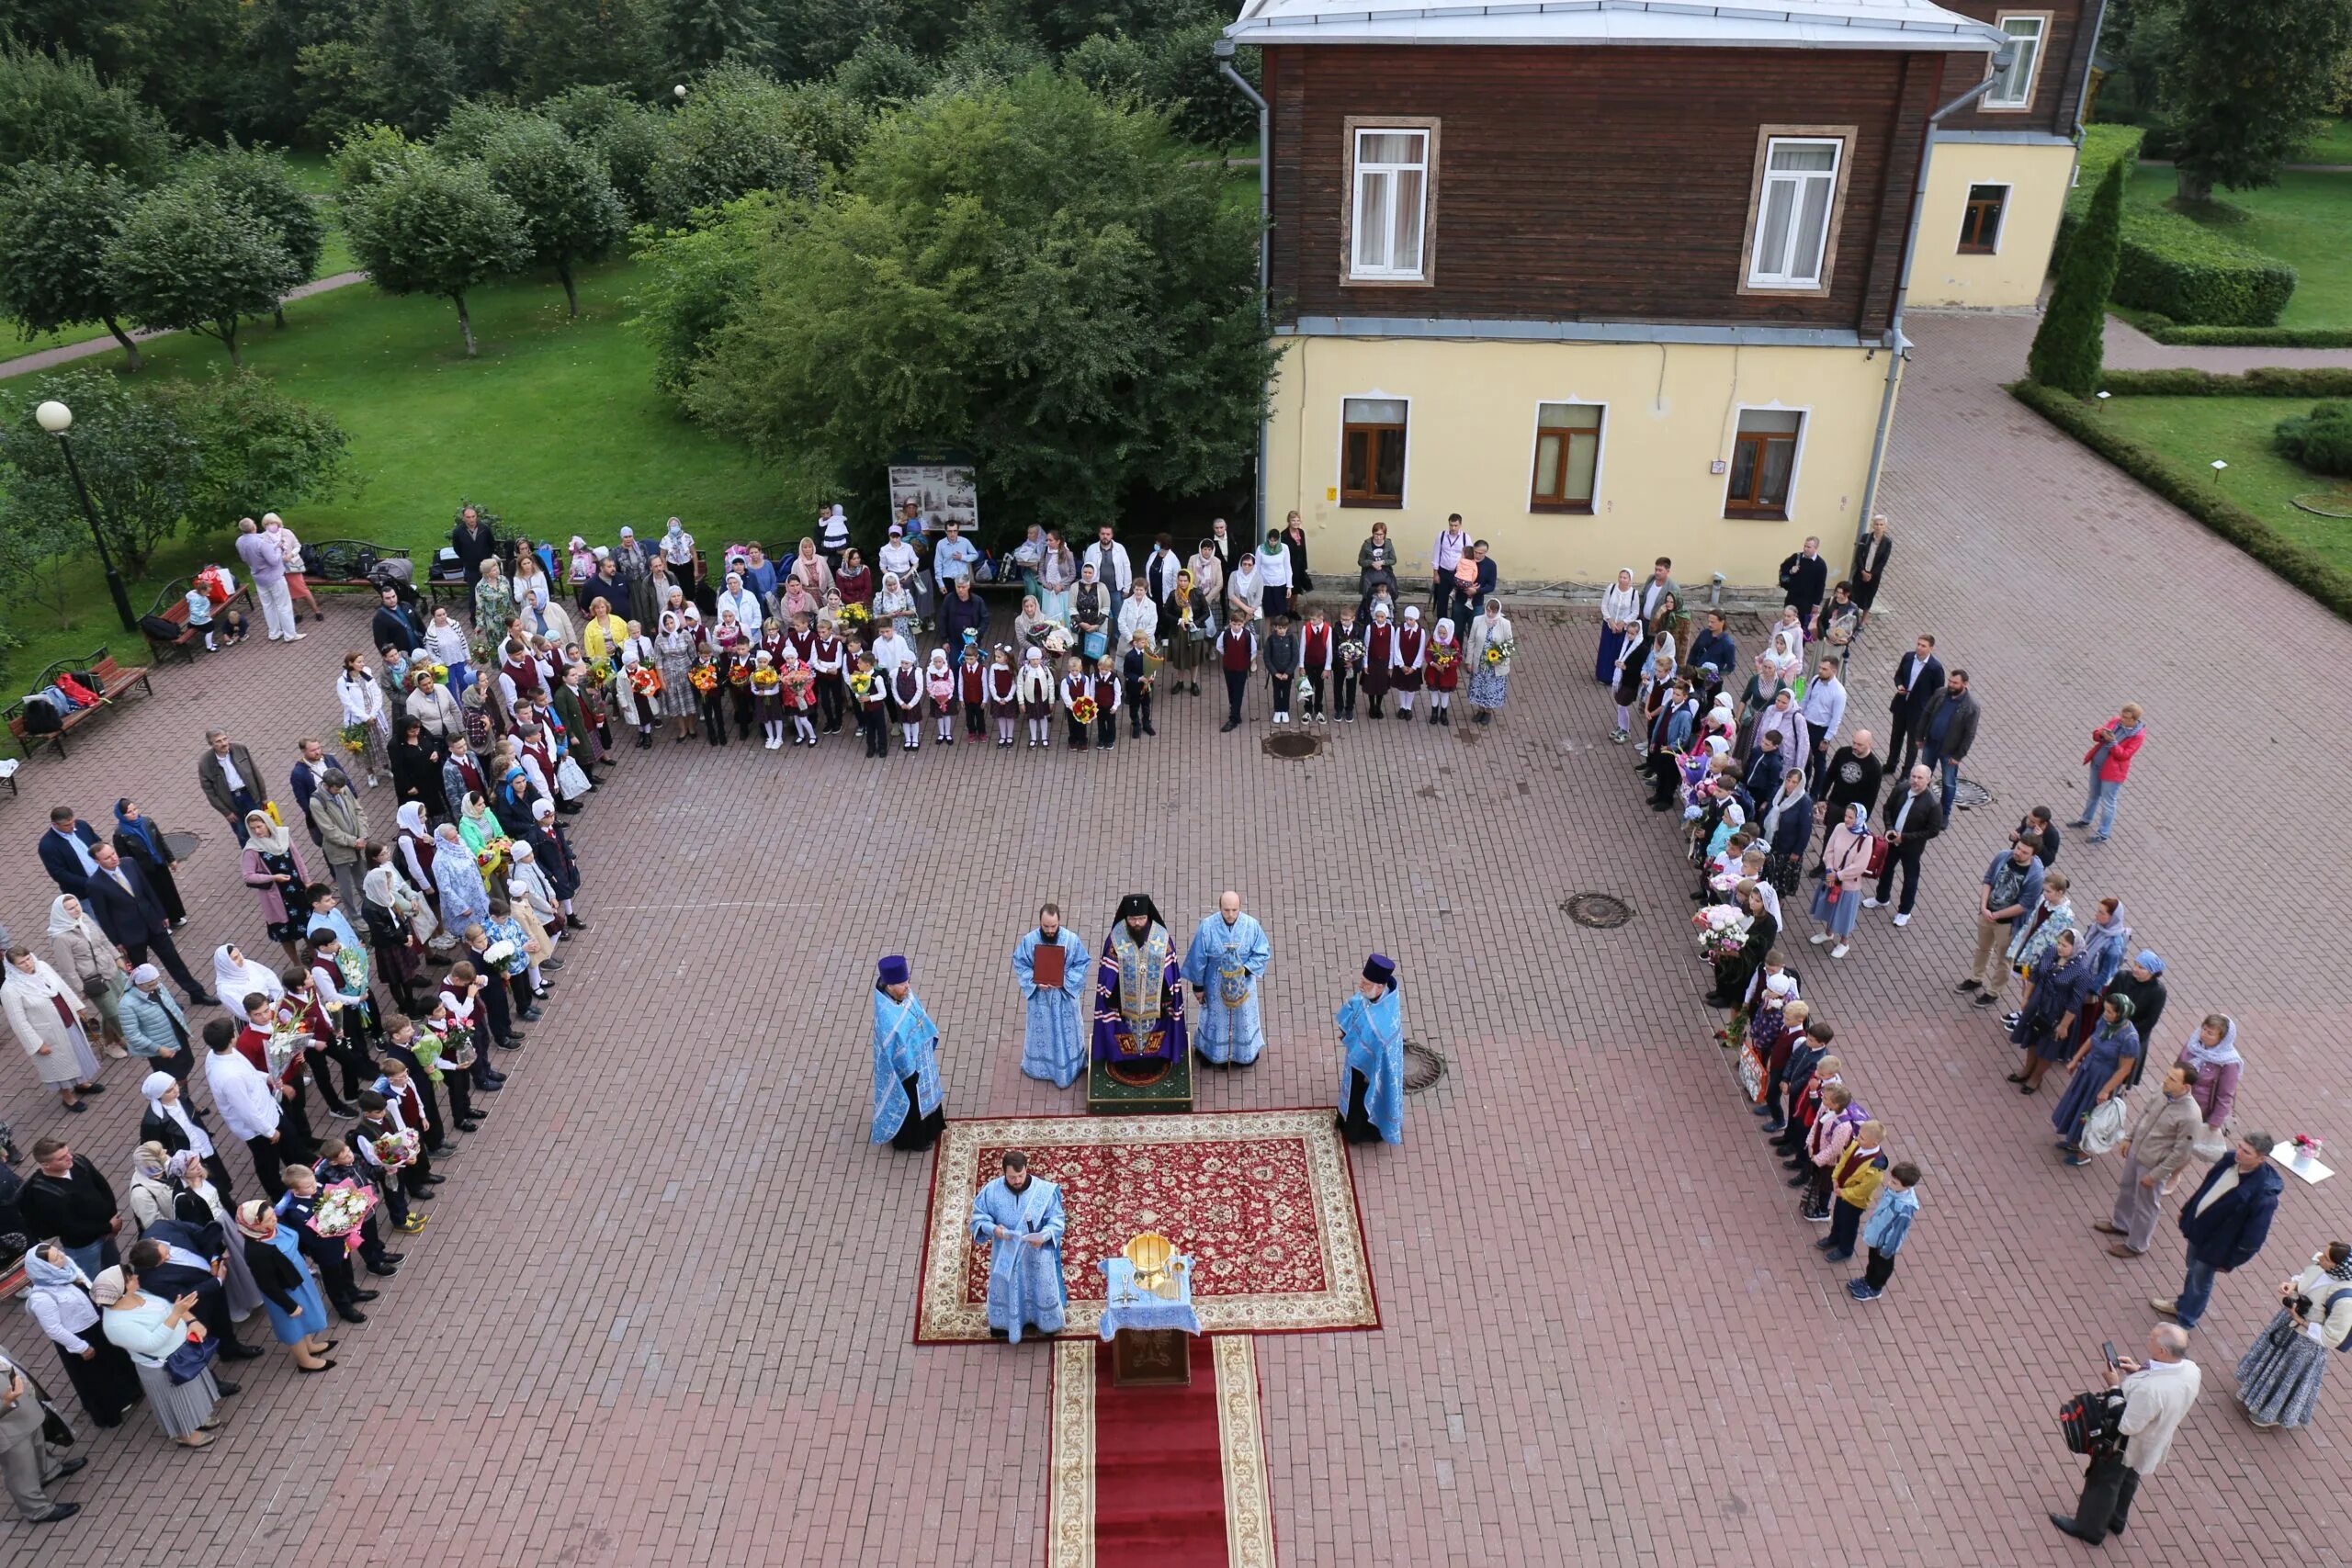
{"x":963,"y":611}
{"x":65,"y":1197}
{"x":1911,"y":817}
{"x":475,"y":542}
{"x":1918,"y":676}
{"x":396,"y":624}
{"x":123,"y":902}
{"x":67,"y":864}
{"x":1804,"y":579}
{"x":174,"y":1260}
{"x":1947,"y":730}
{"x":2226,"y":1222}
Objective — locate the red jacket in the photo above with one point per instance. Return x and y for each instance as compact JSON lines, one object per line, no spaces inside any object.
{"x":2117,"y":764}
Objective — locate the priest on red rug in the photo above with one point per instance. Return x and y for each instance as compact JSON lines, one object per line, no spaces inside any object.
{"x":1019,"y":1216}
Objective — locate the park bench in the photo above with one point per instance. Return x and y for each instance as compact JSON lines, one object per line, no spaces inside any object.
{"x":106,"y":678}
{"x":171,"y":606}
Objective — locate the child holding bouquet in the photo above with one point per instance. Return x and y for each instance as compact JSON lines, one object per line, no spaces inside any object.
{"x":866,"y":692}
{"x":1035,"y":689}
{"x":710,"y":696}
{"x":1139,"y":669}
{"x":939,"y":685}
{"x":1078,"y":700}
{"x":798,"y":684}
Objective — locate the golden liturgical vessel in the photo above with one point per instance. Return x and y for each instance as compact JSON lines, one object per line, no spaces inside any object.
{"x":1150,"y":1254}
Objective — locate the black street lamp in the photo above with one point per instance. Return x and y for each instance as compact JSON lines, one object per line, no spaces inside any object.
{"x":57,"y":419}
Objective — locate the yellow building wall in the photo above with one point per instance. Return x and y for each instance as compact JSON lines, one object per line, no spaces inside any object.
{"x":1671,"y":411}
{"x":2038,"y":178}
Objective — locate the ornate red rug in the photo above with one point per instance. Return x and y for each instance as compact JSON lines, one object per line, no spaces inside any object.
{"x":1263,"y":1200}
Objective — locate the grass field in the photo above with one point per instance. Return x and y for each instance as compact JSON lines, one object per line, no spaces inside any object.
{"x":2305,"y":219}
{"x":2192,"y":431}
{"x":2332,"y":145}
{"x":557,"y":427}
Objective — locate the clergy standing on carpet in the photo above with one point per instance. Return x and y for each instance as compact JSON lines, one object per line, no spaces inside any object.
{"x":1227,"y":956}
{"x":907,"y":1114}
{"x":1138,"y":989}
{"x":1372,"y":1083}
{"x":1054,"y":1047}
{"x":1019,"y":1217}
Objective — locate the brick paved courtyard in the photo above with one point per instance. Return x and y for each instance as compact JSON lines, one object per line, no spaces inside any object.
{"x":663,"y":1312}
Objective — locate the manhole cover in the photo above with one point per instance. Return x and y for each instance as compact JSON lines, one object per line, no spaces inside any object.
{"x":1967,"y":795}
{"x":1599,"y":910}
{"x":1423,"y":1067}
{"x":1293,"y":744}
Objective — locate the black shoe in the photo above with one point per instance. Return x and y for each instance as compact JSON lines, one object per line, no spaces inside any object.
{"x":239,"y":1353}
{"x":58,"y":1515}
{"x":572,"y":922}
{"x":554,"y":965}
{"x":528,"y":1015}
{"x":74,"y":1466}
{"x":358,"y":1296}
{"x":205,"y":999}
{"x":224,"y":1386}
{"x":1229,"y":726}
{"x":422,"y":1195}
{"x":383,"y":1270}
{"x":392,"y":1258}
{"x":2067,"y":1527}
{"x":351,"y":1315}
{"x":513,"y":1042}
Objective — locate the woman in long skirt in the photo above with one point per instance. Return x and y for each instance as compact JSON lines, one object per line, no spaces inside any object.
{"x":2060,"y":980}
{"x":151,"y":1329}
{"x":57,"y":1293}
{"x":52,"y":1023}
{"x":201,"y":1203}
{"x":1621,"y":615}
{"x":1489,"y":676}
{"x":1838,"y":902}
{"x":298,"y":1314}
{"x":2099,"y":1069}
{"x":2279,"y":1375}
{"x":139,"y":837}
{"x":83,"y":955}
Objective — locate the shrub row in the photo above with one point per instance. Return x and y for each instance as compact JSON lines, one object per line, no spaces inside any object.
{"x":2175,"y":265}
{"x":2318,"y":578}
{"x":2272,"y":382}
{"x":2164,"y":329}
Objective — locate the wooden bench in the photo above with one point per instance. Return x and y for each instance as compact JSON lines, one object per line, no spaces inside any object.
{"x":172,"y":605}
{"x":113,"y":680}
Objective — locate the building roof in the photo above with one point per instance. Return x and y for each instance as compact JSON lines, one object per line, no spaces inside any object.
{"x":1761,"y":24}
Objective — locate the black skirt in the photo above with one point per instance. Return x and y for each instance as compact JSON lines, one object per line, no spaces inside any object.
{"x":107,"y":1384}
{"x":918,"y":1130}
{"x":1356,"y":1126}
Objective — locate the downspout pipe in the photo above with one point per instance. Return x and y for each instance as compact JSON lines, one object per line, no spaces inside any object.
{"x":1222,"y":52}
{"x":1896,"y":341}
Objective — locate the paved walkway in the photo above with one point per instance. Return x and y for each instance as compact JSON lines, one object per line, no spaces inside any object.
{"x":65,"y":354}
{"x":663,"y":1314}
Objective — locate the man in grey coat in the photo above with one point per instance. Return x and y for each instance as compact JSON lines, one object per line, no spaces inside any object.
{"x":27,"y":1462}
{"x":341,"y":823}
{"x":2158,"y":1147}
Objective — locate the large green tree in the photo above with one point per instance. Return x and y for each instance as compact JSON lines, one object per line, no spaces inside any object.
{"x":56,"y":108}
{"x":2240,"y":85}
{"x":2070,"y":346}
{"x":429,"y":227}
{"x":555,"y":44}
{"x":56,"y":222}
{"x":732,"y":135}
{"x":262,"y":182}
{"x":1024,"y":271}
{"x":617,"y":128}
{"x":189,"y":258}
{"x":571,"y":211}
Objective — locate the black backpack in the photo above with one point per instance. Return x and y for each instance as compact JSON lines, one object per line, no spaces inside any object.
{"x":2089,"y":1421}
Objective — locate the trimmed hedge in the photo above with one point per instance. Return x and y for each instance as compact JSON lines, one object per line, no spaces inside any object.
{"x":2320,"y":440}
{"x":2174,"y":265}
{"x":2101,"y":146}
{"x":2324,"y":581}
{"x":2273,"y":381}
{"x":2256,"y":337}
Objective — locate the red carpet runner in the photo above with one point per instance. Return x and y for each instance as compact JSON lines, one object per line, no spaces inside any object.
{"x":1159,"y":1469}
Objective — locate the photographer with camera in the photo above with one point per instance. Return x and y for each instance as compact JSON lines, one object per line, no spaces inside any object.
{"x":2126,"y":1433}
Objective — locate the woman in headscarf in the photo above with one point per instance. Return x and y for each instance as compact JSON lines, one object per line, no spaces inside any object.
{"x":2281,"y":1374}
{"x":853,"y":580}
{"x":1030,"y":626}
{"x":2099,"y":1071}
{"x":399,"y":921}
{"x":274,"y":870}
{"x":674,"y":654}
{"x":236,"y":977}
{"x":57,"y":1293}
{"x":811,"y":570}
{"x":1057,"y":578}
{"x":1489,"y":650}
{"x":1838,"y":900}
{"x":175,"y":1126}
{"x":150,"y":1196}
{"x":360,"y":704}
{"x":895,"y":604}
{"x":536,"y":903}
{"x":2060,"y":980}
{"x":1245,"y":590}
{"x":2214,"y":1052}
{"x":464,"y":900}
{"x":151,"y":1329}
{"x":533,"y":594}
{"x":481,"y":831}
{"x":52,"y":1021}
{"x":2142,"y":979}
{"x":82,"y":954}
{"x":298,"y":1314}
{"x":139,"y":837}
{"x":1620,"y":614}
{"x":2106,"y":941}
{"x":201,"y":1198}
{"x":1208,"y":576}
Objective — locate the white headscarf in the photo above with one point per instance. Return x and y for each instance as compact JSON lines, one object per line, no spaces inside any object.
{"x":42,"y":982}
{"x":60,"y":922}
{"x":157,"y":1084}
{"x":273,"y":840}
{"x":411,"y":817}
{"x":235,"y":980}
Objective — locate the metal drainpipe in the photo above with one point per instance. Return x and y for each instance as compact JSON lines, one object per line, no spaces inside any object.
{"x":1221,"y":52}
{"x":1894,"y":342}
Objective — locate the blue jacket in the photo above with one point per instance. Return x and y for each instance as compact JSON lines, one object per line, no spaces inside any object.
{"x":1795,"y":826}
{"x":1716,"y":648}
{"x":65,"y":867}
{"x":2230,"y":1232}
{"x":147,"y":1022}
{"x":1888,"y":1222}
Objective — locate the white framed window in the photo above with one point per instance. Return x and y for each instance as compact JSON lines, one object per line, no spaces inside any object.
{"x":1764,"y":456}
{"x":1568,"y":457}
{"x":1796,"y":202}
{"x":1390,"y":182}
{"x":2014,"y":89}
{"x":1371,"y":450}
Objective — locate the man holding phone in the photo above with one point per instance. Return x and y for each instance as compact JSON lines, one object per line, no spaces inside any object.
{"x":2157,"y":1393}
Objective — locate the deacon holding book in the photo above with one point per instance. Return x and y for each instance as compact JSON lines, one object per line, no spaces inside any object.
{"x":1050,"y":964}
{"x":907,"y":1114}
{"x":1138,"y":990}
{"x":1019,"y":1218}
{"x":1371,"y":1084}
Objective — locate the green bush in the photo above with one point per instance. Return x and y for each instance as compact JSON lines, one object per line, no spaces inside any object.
{"x":2320,"y":440}
{"x":2256,"y":337}
{"x":2314,"y":576}
{"x":2103,"y":146}
{"x":2197,"y":276}
{"x":2271,"y":381}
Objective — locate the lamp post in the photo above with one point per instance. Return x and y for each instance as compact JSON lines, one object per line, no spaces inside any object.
{"x":57,"y":419}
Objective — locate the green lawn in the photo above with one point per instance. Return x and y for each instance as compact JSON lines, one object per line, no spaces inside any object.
{"x":2193,"y":431}
{"x":2305,"y":219}
{"x":556,"y":426}
{"x":2332,"y":145}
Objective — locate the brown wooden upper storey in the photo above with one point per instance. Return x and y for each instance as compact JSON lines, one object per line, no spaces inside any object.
{"x":2042,"y":91}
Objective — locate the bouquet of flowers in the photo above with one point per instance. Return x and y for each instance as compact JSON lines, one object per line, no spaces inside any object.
{"x":863,"y":683}
{"x":2306,"y":1146}
{"x":441,"y":672}
{"x":354,"y":736}
{"x":1083,"y":710}
{"x":1443,"y":657}
{"x":766,"y":682}
{"x":1498,"y":653}
{"x":600,"y":672}
{"x":739,"y":673}
{"x":1723,"y":931}
{"x":797,"y":682}
{"x":645,"y":681}
{"x":1056,"y":641}
{"x":704,"y":678}
{"x":1728,"y":879}
{"x":1352,"y":653}
{"x":853,"y":618}
{"x":341,"y":1210}
{"x":399,"y":1150}
{"x":279,"y":1050}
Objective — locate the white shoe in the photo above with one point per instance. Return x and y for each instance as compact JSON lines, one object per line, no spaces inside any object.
{"x":298,"y":637}
{"x":1873,"y":904}
{"x":372,"y":781}
{"x":1902,"y":920}
{"x":1839,"y":951}
{"x":1819,"y":938}
{"x":1281,"y":719}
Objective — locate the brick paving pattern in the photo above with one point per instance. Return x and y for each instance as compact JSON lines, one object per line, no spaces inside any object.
{"x":663,"y":1315}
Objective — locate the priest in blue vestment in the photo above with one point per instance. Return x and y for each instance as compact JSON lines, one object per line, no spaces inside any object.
{"x":1372,"y":1083}
{"x":1019,"y":1217}
{"x":1227,"y":955}
{"x":907,"y":1114}
{"x":1138,"y":989}
{"x":1053,"y":1045}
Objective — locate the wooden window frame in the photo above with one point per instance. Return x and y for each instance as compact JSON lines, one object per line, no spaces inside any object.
{"x":1747,"y":512}
{"x":1847,"y":135}
{"x":1402,"y":433}
{"x":1539,"y":504}
{"x":1351,"y":127}
{"x":2048,"y":20}
{"x":2000,"y":217}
